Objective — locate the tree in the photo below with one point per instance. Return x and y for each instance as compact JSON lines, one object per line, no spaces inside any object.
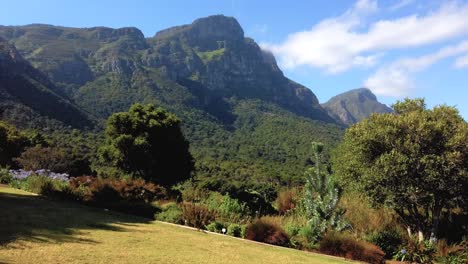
{"x":147,"y":142}
{"x":12,"y":143}
{"x":414,"y":161}
{"x":321,"y":197}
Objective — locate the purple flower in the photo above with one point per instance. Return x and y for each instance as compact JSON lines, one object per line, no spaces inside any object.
{"x":22,"y":174}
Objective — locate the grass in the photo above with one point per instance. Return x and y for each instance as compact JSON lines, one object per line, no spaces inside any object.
{"x":207,"y":56}
{"x":34,"y":229}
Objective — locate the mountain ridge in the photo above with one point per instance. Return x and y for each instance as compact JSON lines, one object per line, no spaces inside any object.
{"x":219,"y":54}
{"x":247,"y":123}
{"x":27,"y":94}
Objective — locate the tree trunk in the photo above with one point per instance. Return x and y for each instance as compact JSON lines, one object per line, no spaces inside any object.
{"x":435,"y":223}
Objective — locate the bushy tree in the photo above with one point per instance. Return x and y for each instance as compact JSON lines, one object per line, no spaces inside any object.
{"x":12,"y":143}
{"x":414,"y":160}
{"x":147,"y":142}
{"x":321,"y":197}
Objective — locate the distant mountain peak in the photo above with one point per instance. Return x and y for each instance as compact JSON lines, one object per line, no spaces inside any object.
{"x":354,"y":105}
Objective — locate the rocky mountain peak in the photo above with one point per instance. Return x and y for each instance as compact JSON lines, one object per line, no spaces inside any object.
{"x":209,"y":33}
{"x":354,"y":105}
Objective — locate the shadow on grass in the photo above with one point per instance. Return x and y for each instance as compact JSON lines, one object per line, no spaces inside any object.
{"x":38,"y":219}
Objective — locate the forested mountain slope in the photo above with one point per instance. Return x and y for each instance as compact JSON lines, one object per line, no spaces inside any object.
{"x":243,"y":117}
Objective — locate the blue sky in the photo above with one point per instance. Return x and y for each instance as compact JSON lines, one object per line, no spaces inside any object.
{"x":400,"y":48}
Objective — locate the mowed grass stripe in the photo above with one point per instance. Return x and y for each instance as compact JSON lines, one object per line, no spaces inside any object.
{"x":34,"y":229}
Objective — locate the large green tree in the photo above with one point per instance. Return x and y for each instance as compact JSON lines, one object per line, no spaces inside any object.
{"x":12,"y":143}
{"x":414,"y":160}
{"x":147,"y":142}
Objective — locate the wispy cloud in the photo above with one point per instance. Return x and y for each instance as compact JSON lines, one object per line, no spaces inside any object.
{"x":340,"y":43}
{"x":400,"y":4}
{"x":462,"y":62}
{"x":395,"y":79}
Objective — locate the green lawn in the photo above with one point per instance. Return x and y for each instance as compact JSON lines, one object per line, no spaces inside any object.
{"x":36,"y":230}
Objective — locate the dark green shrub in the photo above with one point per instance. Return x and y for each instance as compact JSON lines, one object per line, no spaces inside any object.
{"x":215,"y":227}
{"x":228,"y":209}
{"x":343,"y":245}
{"x":292,"y":229}
{"x":236,"y":230}
{"x":267,"y":232}
{"x":389,"y":240}
{"x":171,"y":213}
{"x":309,"y":236}
{"x":197,"y":215}
{"x":18,"y":184}
{"x":5,"y":176}
{"x":39,"y":184}
{"x":256,"y":204}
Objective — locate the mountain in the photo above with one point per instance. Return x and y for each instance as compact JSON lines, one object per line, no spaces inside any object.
{"x":243,"y":117}
{"x":28,"y":97}
{"x":355,"y":105}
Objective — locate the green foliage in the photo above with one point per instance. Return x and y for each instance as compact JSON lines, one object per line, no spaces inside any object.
{"x":147,"y":142}
{"x":414,"y":161}
{"x":5,"y":176}
{"x":416,"y":251}
{"x":216,"y":227}
{"x":320,"y":202}
{"x":170,"y":212}
{"x":236,"y":230}
{"x":207,"y":56}
{"x":388,"y":240}
{"x":248,"y":126}
{"x":228,"y":209}
{"x":39,"y":184}
{"x":12,"y":143}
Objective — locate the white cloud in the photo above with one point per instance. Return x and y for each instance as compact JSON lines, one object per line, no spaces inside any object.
{"x":338,"y":44}
{"x":395,"y":79}
{"x":461,"y":62}
{"x":401,"y":4}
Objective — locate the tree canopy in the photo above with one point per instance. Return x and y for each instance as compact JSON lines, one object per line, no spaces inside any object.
{"x":12,"y":143}
{"x":147,"y":142}
{"x":414,"y":160}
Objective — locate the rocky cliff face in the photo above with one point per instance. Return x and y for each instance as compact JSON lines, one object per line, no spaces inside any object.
{"x":355,"y":105}
{"x":211,"y":56}
{"x":223,"y":61}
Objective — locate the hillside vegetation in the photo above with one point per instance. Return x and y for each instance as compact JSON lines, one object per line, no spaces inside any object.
{"x":247,"y":123}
